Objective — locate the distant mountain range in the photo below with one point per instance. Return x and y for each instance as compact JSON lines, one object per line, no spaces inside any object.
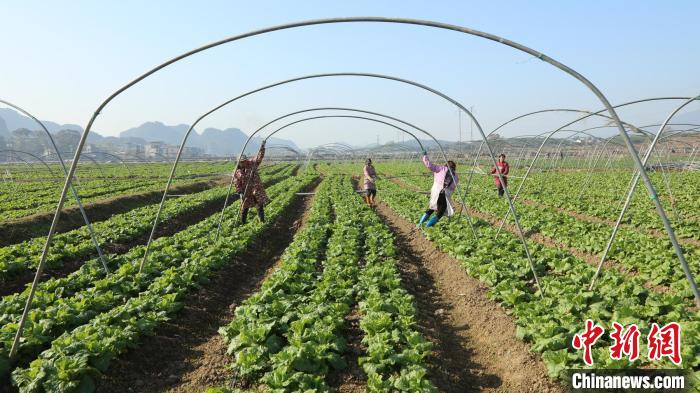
{"x":11,"y":120}
{"x":212,"y":140}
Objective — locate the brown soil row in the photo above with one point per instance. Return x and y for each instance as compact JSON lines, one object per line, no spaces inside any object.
{"x":476,"y":349}
{"x":25,"y":228}
{"x":188,"y":354}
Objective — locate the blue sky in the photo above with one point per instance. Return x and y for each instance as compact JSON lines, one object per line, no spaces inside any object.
{"x":62,"y":58}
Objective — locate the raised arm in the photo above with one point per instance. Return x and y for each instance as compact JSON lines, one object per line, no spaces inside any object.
{"x":261,"y":155}
{"x":426,"y":161}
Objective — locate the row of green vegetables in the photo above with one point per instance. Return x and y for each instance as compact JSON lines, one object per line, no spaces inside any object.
{"x":651,"y":258}
{"x":118,"y":229}
{"x":89,"y":170}
{"x":76,"y":308}
{"x":603,"y":197}
{"x":292,"y":333}
{"x":22,"y":199}
{"x":549,"y":320}
{"x":22,"y":204}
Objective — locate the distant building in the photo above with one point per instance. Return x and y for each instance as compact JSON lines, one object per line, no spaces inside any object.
{"x":155,"y":150}
{"x":165,"y":151}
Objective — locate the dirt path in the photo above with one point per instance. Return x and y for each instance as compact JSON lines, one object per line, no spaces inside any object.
{"x":21,"y":229}
{"x":475,"y":345}
{"x":188,"y":354}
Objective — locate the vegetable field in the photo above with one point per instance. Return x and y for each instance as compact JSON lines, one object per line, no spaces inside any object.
{"x":344,"y":296}
{"x":554,"y":251}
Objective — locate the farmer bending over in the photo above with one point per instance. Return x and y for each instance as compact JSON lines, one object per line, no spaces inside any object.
{"x":370,"y":178}
{"x":502,"y":167}
{"x":444,"y":183}
{"x":249,"y":185}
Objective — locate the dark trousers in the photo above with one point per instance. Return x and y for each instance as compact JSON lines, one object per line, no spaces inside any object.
{"x":261,"y":214}
{"x":441,"y":206}
{"x":500,"y":191}
{"x":372,"y":192}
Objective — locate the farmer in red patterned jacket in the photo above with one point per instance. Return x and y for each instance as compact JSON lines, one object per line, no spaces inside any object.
{"x":249,"y":185}
{"x":502,"y":167}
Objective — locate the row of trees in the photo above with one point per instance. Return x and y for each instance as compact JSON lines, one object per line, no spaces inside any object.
{"x":37,"y":143}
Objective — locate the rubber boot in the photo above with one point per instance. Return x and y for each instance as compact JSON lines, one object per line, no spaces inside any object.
{"x":433,"y":221}
{"x":422,"y":219}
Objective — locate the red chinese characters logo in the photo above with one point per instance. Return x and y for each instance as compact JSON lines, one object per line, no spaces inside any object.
{"x":625,"y":342}
{"x":665,"y":342}
{"x":586,"y":340}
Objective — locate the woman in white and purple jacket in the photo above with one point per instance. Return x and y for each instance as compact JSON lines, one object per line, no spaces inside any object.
{"x":444,"y":184}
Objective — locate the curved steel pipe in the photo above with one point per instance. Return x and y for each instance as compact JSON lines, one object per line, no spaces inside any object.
{"x":351,"y":110}
{"x":51,"y":172}
{"x":478,"y":154}
{"x":128,"y":170}
{"x":92,"y":159}
{"x":405,"y":21}
{"x":686,"y":269}
{"x":537,"y":154}
{"x":14,"y":157}
{"x":88,"y":225}
{"x":305,"y":77}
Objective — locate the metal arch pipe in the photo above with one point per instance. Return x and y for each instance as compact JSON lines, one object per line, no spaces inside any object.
{"x":544,"y":142}
{"x":350,"y":110}
{"x":686,"y":270}
{"x":76,"y":196}
{"x":595,"y":157}
{"x":478,"y":153}
{"x":286,"y":148}
{"x":34,"y":157}
{"x":185,"y":137}
{"x":348,"y":117}
{"x":12,"y":156}
{"x":405,"y":21}
{"x":312,"y":76}
{"x":546,"y":139}
{"x":104,"y":153}
{"x":391,"y":125}
{"x":634,"y":181}
{"x":310,"y":153}
{"x":532,"y":164}
{"x":88,"y":156}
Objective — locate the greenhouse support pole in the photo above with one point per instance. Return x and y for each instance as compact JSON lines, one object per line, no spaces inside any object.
{"x":640,"y":166}
{"x":88,"y":225}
